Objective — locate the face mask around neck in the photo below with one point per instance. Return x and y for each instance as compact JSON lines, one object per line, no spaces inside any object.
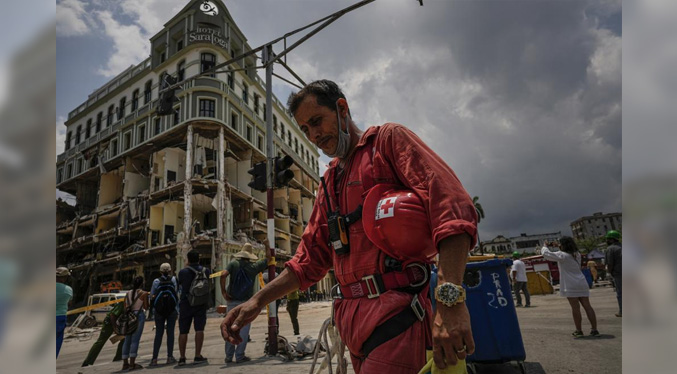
{"x":343,"y":137}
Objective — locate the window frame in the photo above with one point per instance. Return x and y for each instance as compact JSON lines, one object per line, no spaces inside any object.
{"x":202,"y":111}
{"x":206,"y":64}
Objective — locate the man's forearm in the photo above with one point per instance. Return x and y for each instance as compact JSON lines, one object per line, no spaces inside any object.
{"x":280,"y":286}
{"x":453,"y":257}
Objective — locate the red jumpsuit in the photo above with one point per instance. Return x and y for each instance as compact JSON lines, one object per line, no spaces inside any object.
{"x":387,"y":154}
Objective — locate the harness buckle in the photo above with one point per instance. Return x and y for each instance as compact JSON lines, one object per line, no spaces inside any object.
{"x":371,"y":293}
{"x":417,"y":308}
{"x":424,"y":269}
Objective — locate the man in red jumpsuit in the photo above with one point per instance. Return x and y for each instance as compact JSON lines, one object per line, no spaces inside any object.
{"x":369,"y":315}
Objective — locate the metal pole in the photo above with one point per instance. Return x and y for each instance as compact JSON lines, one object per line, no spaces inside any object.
{"x":272,"y":316}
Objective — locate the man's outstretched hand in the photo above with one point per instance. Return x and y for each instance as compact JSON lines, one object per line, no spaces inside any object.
{"x":240,"y":316}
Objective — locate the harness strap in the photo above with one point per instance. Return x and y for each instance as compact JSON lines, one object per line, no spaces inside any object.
{"x":374,"y":285}
{"x":393,"y":327}
{"x":354,"y":216}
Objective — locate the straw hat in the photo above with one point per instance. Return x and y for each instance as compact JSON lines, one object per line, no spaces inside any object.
{"x":246,"y":252}
{"x":62,"y":272}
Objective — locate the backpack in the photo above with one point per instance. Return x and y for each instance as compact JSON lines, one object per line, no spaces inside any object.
{"x":241,"y":284}
{"x":165,"y":298}
{"x":128,"y":321}
{"x":198,"y":293}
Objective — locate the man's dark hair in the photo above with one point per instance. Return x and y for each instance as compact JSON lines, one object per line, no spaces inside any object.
{"x":325,"y":91}
{"x":568,"y":244}
{"x":193,"y":256}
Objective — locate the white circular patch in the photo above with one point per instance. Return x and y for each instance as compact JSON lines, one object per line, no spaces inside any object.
{"x":209,"y":8}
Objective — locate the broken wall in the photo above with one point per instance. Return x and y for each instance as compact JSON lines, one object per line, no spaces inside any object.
{"x":110,"y":187}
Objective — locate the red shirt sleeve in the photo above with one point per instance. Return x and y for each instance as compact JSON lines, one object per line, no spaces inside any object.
{"x":313,"y":256}
{"x":450,"y":208}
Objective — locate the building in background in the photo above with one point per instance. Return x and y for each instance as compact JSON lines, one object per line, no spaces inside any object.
{"x":530,"y":243}
{"x":149,"y":188}
{"x":497,"y":245}
{"x":596,"y":225}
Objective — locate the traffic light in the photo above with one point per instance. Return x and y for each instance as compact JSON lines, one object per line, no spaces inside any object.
{"x":259,"y":173}
{"x":282,"y":173}
{"x":167,"y":97}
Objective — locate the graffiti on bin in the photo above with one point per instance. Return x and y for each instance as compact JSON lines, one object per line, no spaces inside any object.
{"x":497,"y":297}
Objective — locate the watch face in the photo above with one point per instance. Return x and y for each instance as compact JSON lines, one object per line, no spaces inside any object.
{"x":448,"y":293}
{"x":209,"y":8}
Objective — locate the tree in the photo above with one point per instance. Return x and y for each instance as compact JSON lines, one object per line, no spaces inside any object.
{"x":478,"y":208}
{"x":480,"y":215}
{"x":587,"y":245}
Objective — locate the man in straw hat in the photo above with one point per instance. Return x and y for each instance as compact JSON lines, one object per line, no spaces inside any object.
{"x":242,"y":272}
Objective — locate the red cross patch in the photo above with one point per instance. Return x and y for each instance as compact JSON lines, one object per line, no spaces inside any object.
{"x":386,"y":208}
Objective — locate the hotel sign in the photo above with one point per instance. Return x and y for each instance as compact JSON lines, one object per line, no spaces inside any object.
{"x":207,"y":35}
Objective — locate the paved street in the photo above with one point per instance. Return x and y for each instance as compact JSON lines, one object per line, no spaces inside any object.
{"x":546,"y":329}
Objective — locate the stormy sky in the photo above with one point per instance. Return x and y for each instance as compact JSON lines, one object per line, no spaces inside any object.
{"x":521,"y":98}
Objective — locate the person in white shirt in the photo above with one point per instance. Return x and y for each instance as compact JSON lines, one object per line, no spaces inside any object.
{"x":572,"y":283}
{"x":518,"y":274}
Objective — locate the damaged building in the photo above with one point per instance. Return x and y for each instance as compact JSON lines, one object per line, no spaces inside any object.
{"x":149,"y":188}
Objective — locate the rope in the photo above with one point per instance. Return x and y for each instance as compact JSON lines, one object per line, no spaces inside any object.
{"x":338,"y":348}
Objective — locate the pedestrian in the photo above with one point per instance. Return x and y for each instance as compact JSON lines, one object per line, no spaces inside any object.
{"x":136,"y":301}
{"x":572,"y":283}
{"x":106,"y":332}
{"x":164,"y":295}
{"x":614,"y":265}
{"x":518,"y":274}
{"x":64,"y":295}
{"x":293,"y":309}
{"x":242,"y":272}
{"x":381,"y":183}
{"x":592,"y":266}
{"x":193,"y":303}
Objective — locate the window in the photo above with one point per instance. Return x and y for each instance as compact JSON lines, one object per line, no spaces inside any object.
{"x":233,"y":121}
{"x":114,"y":147}
{"x":245,"y":94}
{"x":289,"y":137}
{"x":147,"y":92}
{"x":99,"y":118}
{"x":177,"y":115}
{"x":281,"y":128}
{"x":208,"y":61}
{"x":181,"y":70}
{"x":207,"y":108}
{"x":256,"y":103}
{"x":79,"y":170}
{"x":59,"y":176}
{"x":69,"y":171}
{"x":158,"y":125}
{"x":260,"y":142}
{"x":127,"y":141}
{"x":68,"y":140}
{"x":179,"y":45}
{"x":78,"y":134}
{"x":142,"y":134}
{"x":121,"y":109}
{"x":265,"y":113}
{"x":135,"y":100}
{"x":249,"y":133}
{"x":296,"y":145}
{"x":109,"y":117}
{"x":163,"y":57}
{"x":231,"y":81}
{"x":275,"y":125}
{"x":88,"y":129}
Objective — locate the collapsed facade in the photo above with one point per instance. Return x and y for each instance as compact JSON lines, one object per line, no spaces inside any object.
{"x":149,"y":188}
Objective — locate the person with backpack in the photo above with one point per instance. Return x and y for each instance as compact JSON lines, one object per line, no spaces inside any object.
{"x":131,"y":323}
{"x":193,"y":303}
{"x":165,"y":301}
{"x":242,"y":272}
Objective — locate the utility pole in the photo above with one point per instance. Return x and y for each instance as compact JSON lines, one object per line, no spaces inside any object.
{"x":267,"y":55}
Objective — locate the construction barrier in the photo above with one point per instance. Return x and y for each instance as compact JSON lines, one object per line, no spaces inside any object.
{"x":94,"y":306}
{"x":538,"y":283}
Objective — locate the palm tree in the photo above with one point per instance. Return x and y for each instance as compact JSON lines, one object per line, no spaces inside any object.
{"x":480,"y":215}
{"x":478,"y":208}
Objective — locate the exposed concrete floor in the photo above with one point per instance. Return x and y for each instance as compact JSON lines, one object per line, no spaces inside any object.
{"x":546,"y":329}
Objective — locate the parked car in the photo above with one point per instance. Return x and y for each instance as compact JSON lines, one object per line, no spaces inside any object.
{"x":100,"y":313}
